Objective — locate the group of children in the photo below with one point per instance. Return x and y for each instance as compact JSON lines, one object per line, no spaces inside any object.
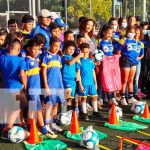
{"x":61,"y":77}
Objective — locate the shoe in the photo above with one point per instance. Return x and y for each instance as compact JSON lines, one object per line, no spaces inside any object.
{"x":123,"y":101}
{"x":49,"y":130}
{"x":56,"y":128}
{"x":114,"y":101}
{"x":88,"y":107}
{"x":138,"y":97}
{"x":52,"y":136}
{"x":132,"y":100}
{"x":84,"y":116}
{"x":142,"y":94}
{"x":97,"y":114}
{"x":4,"y":135}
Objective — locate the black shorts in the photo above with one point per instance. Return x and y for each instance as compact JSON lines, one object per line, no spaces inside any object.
{"x":126,"y":63}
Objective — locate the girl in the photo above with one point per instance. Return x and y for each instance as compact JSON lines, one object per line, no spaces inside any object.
{"x":129,"y":60}
{"x":122,"y":25}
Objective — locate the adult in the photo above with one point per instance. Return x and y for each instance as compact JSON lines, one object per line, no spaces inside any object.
{"x":44,"y":20}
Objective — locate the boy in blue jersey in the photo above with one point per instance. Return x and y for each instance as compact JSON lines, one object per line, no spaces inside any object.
{"x":13,"y":69}
{"x":70,"y":69}
{"x":34,"y":87}
{"x":87,"y":83}
{"x":52,"y":80}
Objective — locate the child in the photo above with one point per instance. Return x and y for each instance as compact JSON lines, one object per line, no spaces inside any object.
{"x":53,"y":85}
{"x":12,"y":25}
{"x":55,"y":30}
{"x":14,"y":80}
{"x":88,"y":83}
{"x":70,"y":70}
{"x":33,"y":86}
{"x":128,"y":64}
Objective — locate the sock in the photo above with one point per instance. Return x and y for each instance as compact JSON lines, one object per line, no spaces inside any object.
{"x":54,"y":120}
{"x":123,"y":95}
{"x":83,"y":104}
{"x":94,"y":105}
{"x":47,"y":121}
{"x":64,"y":107}
{"x":130,"y":95}
{"x":68,"y":108}
{"x":43,"y":130}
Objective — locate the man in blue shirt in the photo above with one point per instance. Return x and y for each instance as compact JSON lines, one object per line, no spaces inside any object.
{"x":44,"y":20}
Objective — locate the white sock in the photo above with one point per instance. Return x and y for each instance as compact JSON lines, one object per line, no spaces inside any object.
{"x":83,"y":104}
{"x":94,"y":105}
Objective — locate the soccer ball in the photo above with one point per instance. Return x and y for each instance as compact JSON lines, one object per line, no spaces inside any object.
{"x":98,"y":54}
{"x":65,"y":118}
{"x":138,"y":107}
{"x":118,"y":112}
{"x":16,"y":134}
{"x":89,"y":139}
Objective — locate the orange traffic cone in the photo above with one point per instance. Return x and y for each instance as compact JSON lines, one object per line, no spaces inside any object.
{"x":146,"y":113}
{"x":34,"y":138}
{"x":113,"y":116}
{"x":75,"y":128}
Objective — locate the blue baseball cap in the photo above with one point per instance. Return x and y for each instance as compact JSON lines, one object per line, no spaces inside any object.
{"x":60,"y":22}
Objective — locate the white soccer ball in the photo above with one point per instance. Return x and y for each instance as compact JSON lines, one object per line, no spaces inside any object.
{"x":118,"y":112}
{"x":16,"y":134}
{"x":98,"y":55}
{"x":90,"y":139}
{"x":138,"y":107}
{"x":65,"y":118}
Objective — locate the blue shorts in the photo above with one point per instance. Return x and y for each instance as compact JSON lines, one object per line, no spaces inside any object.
{"x":126,"y":63}
{"x":70,"y":85}
{"x":90,"y":90}
{"x":34,"y":102}
{"x":56,"y":96}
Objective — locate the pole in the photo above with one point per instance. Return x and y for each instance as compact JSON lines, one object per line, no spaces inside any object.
{"x":144,"y":10}
{"x":125,"y":8}
{"x":30,"y":10}
{"x":33,"y":11}
{"x":133,"y":7}
{"x":66,"y":13}
{"x":90,"y":8}
{"x":39,"y":5}
{"x":113,"y":8}
{"x":8,"y":10}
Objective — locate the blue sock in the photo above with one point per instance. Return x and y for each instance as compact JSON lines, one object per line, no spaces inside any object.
{"x":43,"y":130}
{"x":54,"y":120}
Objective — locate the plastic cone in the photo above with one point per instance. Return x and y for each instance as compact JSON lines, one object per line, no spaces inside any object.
{"x":146,"y":112}
{"x":34,"y":138}
{"x":113,"y":116}
{"x":75,"y":128}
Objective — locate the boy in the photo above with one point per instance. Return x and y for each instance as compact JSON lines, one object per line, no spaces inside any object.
{"x":12,"y":25}
{"x":88,"y":83}
{"x":70,"y":70}
{"x":33,"y":86}
{"x":14,"y":81}
{"x":52,"y":80}
{"x":55,"y":30}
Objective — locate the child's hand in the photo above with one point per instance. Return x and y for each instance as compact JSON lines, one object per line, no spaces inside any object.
{"x":81,"y":55}
{"x":47,"y":90}
{"x":82,"y":89}
{"x":138,"y":58}
{"x":97,"y":63}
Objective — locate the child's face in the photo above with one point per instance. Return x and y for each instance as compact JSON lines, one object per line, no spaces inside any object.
{"x":69,"y":37}
{"x":137,"y":34}
{"x":80,"y":41}
{"x":70,"y":50}
{"x":114,"y":25}
{"x":13,"y":28}
{"x":56,"y":32}
{"x":108,"y":34}
{"x":28,"y":26}
{"x":86,"y":52}
{"x":46,"y":21}
{"x":2,"y":40}
{"x":89,"y":26}
{"x":33,"y":51}
{"x":132,"y":21}
{"x":55,"y":47}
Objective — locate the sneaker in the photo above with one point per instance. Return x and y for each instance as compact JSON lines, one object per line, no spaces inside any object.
{"x":4,"y":135}
{"x":114,"y":101}
{"x":132,"y":100}
{"x":142,"y":94}
{"x":138,"y":97}
{"x":49,"y":130}
{"x":123,"y":101}
{"x":84,"y":116}
{"x":52,"y":136}
{"x":88,"y":107}
{"x":56,"y":128}
{"x":97,"y":114}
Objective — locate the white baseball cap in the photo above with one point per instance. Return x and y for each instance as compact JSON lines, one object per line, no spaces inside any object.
{"x":44,"y":13}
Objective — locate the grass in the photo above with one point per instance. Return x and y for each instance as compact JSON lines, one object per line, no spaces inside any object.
{"x":111,"y":141}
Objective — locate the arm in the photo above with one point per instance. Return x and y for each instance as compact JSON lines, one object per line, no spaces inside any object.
{"x":94,"y":77}
{"x":23,"y":78}
{"x":80,"y":83}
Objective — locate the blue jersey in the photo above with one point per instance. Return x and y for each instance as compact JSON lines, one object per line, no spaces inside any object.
{"x":129,"y":50}
{"x":10,"y":67}
{"x":45,"y":32}
{"x":86,"y":71}
{"x":116,"y":36}
{"x":33,"y":75}
{"x":69,"y":71}
{"x":3,"y":51}
{"x":107,"y":47}
{"x":53,"y":65}
{"x":23,"y":53}
{"x":117,"y":46}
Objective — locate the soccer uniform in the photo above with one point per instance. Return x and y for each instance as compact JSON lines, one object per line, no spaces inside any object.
{"x":107,"y":47}
{"x":116,"y":36}
{"x":86,"y":71}
{"x":3,"y":51}
{"x":69,"y":74}
{"x":117,"y":46}
{"x":129,"y":53}
{"x":33,"y":86}
{"x":22,"y":53}
{"x":54,"y":78}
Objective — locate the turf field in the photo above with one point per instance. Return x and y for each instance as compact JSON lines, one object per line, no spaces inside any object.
{"x":111,"y":141}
